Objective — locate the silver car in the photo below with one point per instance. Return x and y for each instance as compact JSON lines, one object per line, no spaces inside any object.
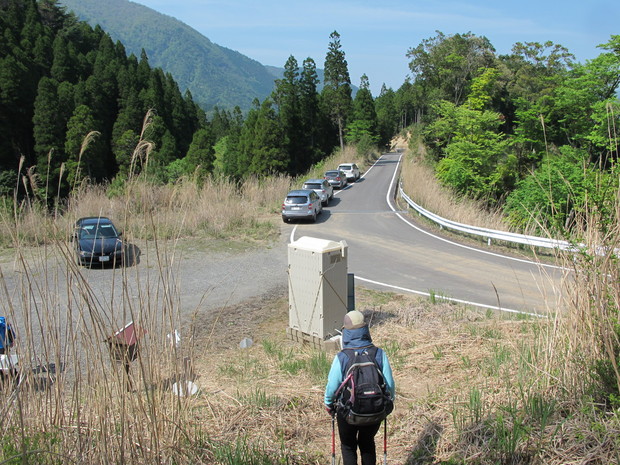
{"x":350,"y":170}
{"x":336,"y":178}
{"x":321,"y":187}
{"x":301,"y":204}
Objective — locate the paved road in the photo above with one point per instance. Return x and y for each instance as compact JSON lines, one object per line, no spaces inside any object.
{"x":388,"y":251}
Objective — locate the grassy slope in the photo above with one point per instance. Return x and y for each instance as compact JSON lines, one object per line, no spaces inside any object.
{"x":455,"y":369}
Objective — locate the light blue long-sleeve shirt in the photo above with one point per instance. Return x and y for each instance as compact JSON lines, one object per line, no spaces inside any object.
{"x":356,"y":339}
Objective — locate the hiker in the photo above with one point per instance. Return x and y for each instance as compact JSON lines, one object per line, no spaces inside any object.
{"x":7,"y":335}
{"x":356,"y":336}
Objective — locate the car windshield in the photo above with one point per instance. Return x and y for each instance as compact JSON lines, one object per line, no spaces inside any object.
{"x":332,"y":173}
{"x":296,"y":199}
{"x":346,"y":167}
{"x":100,"y":231}
{"x":313,"y":186}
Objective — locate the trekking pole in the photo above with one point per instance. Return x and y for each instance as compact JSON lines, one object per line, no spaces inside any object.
{"x":333,"y":439}
{"x":385,"y":441}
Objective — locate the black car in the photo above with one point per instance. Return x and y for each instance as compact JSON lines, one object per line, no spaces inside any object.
{"x":98,"y":242}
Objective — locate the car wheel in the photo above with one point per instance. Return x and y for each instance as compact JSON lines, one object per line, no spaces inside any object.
{"x":313,"y":218}
{"x":285,"y":219}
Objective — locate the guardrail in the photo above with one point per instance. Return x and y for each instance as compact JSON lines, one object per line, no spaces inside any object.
{"x":489,"y":234}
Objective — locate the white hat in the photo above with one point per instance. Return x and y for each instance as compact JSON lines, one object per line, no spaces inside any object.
{"x":354,"y":319}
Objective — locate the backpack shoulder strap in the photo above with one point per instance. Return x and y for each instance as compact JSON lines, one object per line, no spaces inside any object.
{"x":379,"y":358}
{"x":344,"y":356}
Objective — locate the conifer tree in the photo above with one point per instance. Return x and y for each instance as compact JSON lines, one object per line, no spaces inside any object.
{"x":49,"y":128}
{"x":261,"y":147}
{"x":269,"y":154}
{"x":364,"y":122}
{"x":63,"y":66}
{"x":336,"y":94}
{"x":286,"y":97}
{"x":201,"y":151}
{"x":387,"y":117}
{"x":311,"y":120}
{"x":84,"y":154}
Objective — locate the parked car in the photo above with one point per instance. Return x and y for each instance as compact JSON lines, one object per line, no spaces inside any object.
{"x":351,"y":171}
{"x":98,"y":242}
{"x":301,"y":204}
{"x":336,"y":178}
{"x":321,"y":187}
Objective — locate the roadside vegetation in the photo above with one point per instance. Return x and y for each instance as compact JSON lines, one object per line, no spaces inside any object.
{"x":419,"y":181}
{"x":212,"y":207}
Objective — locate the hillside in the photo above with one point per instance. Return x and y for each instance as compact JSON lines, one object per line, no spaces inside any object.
{"x":215,"y":75}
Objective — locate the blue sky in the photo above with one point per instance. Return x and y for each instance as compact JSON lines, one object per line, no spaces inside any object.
{"x":375,"y":35}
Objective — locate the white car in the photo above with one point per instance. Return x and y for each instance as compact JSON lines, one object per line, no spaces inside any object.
{"x":351,"y":171}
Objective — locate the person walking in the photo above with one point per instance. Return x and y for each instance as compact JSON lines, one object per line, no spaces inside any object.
{"x":356,"y":336}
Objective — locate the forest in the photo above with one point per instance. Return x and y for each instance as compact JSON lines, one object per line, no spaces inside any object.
{"x":215,"y":75}
{"x":532,"y":133}
{"x":64,"y":83}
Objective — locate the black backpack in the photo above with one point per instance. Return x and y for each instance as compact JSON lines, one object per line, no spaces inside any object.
{"x":363,"y":397}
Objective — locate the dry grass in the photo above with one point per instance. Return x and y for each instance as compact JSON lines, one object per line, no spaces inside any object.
{"x":267,"y":400}
{"x":472,"y":386}
{"x":591,"y":329}
{"x":87,"y":412}
{"x":213,"y":207}
{"x":468,"y":382}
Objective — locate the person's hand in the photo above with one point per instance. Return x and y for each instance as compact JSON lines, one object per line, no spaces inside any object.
{"x":330,"y":409}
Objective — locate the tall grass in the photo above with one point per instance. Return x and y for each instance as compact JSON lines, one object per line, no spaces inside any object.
{"x":212,"y":207}
{"x":589,"y":333}
{"x":72,"y":402}
{"x":216,"y":208}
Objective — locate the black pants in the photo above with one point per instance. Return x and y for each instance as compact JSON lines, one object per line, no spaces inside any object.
{"x":352,"y":437}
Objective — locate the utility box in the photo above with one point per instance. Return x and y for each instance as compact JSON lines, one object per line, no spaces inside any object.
{"x":318,"y":289}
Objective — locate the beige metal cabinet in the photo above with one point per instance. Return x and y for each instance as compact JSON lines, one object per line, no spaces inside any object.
{"x":317,"y":275}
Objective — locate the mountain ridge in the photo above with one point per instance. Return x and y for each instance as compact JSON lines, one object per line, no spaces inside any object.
{"x":215,"y":75}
